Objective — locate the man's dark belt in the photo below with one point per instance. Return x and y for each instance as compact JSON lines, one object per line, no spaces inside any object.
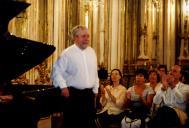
{"x":80,"y":90}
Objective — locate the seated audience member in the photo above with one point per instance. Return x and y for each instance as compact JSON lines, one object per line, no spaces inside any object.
{"x":172,"y":97}
{"x":103,"y":80}
{"x":112,"y":100}
{"x":162,"y":69}
{"x":185,"y":76}
{"x":139,"y":100}
{"x":102,"y":73}
{"x":185,"y":80}
{"x":154,"y":82}
{"x":154,"y":79}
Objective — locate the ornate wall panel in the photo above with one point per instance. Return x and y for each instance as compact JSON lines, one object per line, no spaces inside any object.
{"x":92,"y":14}
{"x":116,"y":42}
{"x":105,"y":20}
{"x":131,"y":31}
{"x":121,"y":30}
{"x":169,"y":32}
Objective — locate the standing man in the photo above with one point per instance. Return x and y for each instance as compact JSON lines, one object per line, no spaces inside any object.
{"x":75,"y":72}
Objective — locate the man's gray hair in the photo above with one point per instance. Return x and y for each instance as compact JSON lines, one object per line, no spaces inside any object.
{"x":75,"y":31}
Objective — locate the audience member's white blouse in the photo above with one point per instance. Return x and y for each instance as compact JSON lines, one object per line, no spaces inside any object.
{"x":158,"y":86}
{"x":108,"y":105}
{"x":135,"y":97}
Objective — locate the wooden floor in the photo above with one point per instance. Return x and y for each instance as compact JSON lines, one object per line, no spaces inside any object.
{"x":53,"y":121}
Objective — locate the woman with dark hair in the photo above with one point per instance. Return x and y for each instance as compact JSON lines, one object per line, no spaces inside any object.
{"x":162,"y":70}
{"x":112,"y":100}
{"x":154,"y":80}
{"x":139,"y":101}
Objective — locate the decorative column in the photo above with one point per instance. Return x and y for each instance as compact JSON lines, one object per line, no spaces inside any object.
{"x":155,"y":25}
{"x":143,"y":58}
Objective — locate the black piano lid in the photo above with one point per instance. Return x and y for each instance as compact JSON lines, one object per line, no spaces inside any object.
{"x":17,"y":55}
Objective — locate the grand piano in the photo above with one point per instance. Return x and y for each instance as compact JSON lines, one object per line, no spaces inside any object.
{"x":18,"y":55}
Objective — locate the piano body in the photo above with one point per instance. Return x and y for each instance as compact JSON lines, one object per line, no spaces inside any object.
{"x":18,"y":55}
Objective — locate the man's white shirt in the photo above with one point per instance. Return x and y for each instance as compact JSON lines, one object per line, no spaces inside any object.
{"x":175,"y":97}
{"x":76,"y":68}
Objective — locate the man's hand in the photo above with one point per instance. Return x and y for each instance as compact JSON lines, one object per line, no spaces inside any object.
{"x":165,"y":82}
{"x":6,"y":98}
{"x":65,"y":92}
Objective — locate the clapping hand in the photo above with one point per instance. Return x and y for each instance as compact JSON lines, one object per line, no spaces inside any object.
{"x":111,"y":95}
{"x":102,"y":89}
{"x":108,"y":91}
{"x":165,"y":82}
{"x":128,"y":95}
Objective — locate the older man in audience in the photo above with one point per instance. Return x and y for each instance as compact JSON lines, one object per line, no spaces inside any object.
{"x":173,"y":98}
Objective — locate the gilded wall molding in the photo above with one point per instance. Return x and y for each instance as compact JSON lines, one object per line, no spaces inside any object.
{"x":43,"y":74}
{"x":21,"y":80}
{"x":114,"y":26}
